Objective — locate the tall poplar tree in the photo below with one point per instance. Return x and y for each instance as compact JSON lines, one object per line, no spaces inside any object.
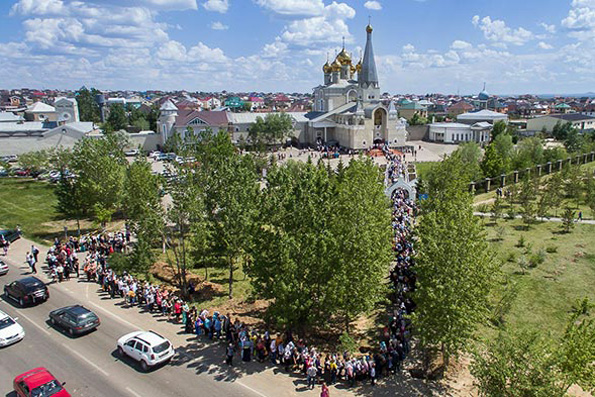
{"x":455,"y":268}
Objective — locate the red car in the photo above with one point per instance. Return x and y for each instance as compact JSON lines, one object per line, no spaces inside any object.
{"x":38,"y":382}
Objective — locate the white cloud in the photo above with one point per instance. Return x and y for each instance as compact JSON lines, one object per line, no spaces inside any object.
{"x":217,"y":5}
{"x":38,"y":7}
{"x":460,"y":45}
{"x":294,"y":8}
{"x":497,"y":32}
{"x":330,"y":27}
{"x":373,"y":5}
{"x":275,"y":49}
{"x":545,"y":46}
{"x":548,"y":28}
{"x":219,"y":26}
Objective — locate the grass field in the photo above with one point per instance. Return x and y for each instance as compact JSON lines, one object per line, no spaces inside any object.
{"x":423,"y":168}
{"x":547,"y":292}
{"x":31,"y":205}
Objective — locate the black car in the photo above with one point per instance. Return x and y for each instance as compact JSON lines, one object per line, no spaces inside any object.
{"x":9,"y":235}
{"x":75,"y":319}
{"x":27,"y":291}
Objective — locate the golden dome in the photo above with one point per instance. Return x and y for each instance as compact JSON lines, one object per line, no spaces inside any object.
{"x":343,"y":57}
{"x":327,"y":68}
{"x":336,"y":66}
{"x":358,"y":67}
{"x":369,"y":28}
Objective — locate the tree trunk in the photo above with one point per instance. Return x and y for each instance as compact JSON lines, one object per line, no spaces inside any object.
{"x":78,"y":225}
{"x":230,"y":277}
{"x":444,"y":356}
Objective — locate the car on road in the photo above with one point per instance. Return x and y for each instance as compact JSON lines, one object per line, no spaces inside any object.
{"x":26,"y":291}
{"x":38,"y":382}
{"x":3,"y":268}
{"x":131,"y":152}
{"x":147,"y":347}
{"x":9,"y":235}
{"x":75,"y":320}
{"x":10,"y":331}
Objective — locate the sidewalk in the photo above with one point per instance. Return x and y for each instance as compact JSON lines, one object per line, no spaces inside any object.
{"x":540,"y":219}
{"x":204,"y":357}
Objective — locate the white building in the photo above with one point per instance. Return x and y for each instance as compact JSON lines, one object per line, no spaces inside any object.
{"x":67,"y":110}
{"x":482,"y":115}
{"x":460,"y":133}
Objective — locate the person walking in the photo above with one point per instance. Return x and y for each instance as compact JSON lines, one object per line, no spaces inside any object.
{"x":31,"y":262}
{"x":324,"y":392}
{"x":230,"y":351}
{"x":35,"y":252}
{"x":311,"y":373}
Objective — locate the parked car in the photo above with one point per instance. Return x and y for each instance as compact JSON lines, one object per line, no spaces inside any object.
{"x":3,"y":268}
{"x":162,"y":157}
{"x":26,"y":291}
{"x":155,"y":154}
{"x":147,"y":347}
{"x":21,"y":172}
{"x":3,"y":172}
{"x":38,"y":382}
{"x":10,"y":158}
{"x":132,"y":152}
{"x":10,"y":235}
{"x":76,"y":320}
{"x":10,"y":331}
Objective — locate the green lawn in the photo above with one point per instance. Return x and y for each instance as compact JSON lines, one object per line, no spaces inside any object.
{"x":546,"y":292}
{"x":31,"y":205}
{"x":423,"y":168}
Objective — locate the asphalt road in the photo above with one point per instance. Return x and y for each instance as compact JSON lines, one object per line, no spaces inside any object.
{"x":90,"y":364}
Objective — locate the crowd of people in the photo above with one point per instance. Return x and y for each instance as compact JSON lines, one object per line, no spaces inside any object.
{"x":283,"y":349}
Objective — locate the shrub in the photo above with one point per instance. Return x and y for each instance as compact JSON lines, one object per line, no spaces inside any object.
{"x":347,"y":343}
{"x":521,"y":243}
{"x":511,"y":257}
{"x":523,"y":264}
{"x":537,"y":258}
{"x":550,"y":249}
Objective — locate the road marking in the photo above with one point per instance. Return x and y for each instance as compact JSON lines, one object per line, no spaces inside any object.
{"x":135,"y":394}
{"x":251,"y":389}
{"x":115,"y":316}
{"x":21,"y":314}
{"x":91,"y":363}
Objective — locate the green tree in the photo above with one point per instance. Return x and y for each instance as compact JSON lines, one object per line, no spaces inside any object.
{"x":499,"y":128}
{"x":492,"y":164}
{"x":517,"y":364}
{"x":99,"y":166}
{"x":273,"y":129}
{"x":141,"y":201}
{"x":529,"y":153}
{"x":497,"y":209}
{"x":361,"y":236}
{"x":293,"y":244}
{"x":505,"y":147}
{"x":568,"y":219}
{"x":451,"y":246}
{"x":529,"y":364}
{"x":88,"y":107}
{"x":470,"y":154}
{"x":590,"y":193}
{"x":35,"y":161}
{"x":527,"y":197}
{"x":117,"y":119}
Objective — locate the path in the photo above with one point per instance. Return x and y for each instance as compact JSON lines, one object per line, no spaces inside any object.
{"x":541,"y":219}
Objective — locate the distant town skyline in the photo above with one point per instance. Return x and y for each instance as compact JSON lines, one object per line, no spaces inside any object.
{"x":430,"y":46}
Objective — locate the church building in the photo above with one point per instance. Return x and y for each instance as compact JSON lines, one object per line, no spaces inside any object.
{"x":347,"y":108}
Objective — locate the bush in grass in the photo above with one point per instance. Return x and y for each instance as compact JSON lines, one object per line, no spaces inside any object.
{"x":537,"y":258}
{"x":551,"y":249}
{"x":523,"y":264}
{"x":521,"y":243}
{"x":511,"y":257}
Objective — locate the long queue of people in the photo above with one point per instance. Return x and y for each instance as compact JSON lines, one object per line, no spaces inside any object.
{"x":247,"y":343}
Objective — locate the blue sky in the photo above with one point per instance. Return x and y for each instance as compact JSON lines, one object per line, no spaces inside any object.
{"x":446,"y":46}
